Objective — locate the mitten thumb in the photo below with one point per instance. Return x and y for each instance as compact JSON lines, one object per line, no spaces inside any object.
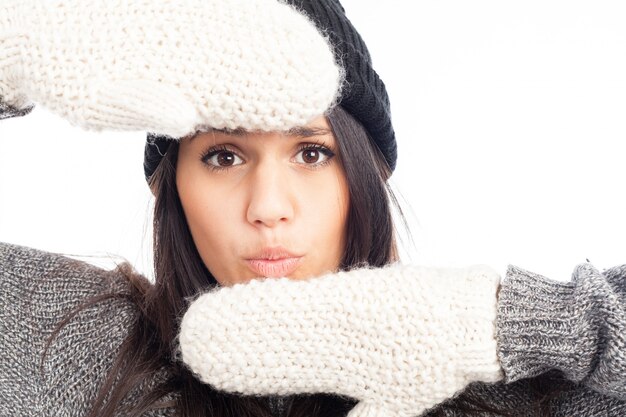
{"x":136,"y":105}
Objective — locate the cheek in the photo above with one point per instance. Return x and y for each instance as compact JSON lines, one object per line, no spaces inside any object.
{"x":326,"y":213}
{"x":209,"y":218}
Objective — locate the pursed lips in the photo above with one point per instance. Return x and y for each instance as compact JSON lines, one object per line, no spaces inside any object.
{"x":274,"y":262}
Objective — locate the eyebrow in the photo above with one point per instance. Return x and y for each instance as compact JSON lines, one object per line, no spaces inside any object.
{"x":299,"y":132}
{"x":307,"y":132}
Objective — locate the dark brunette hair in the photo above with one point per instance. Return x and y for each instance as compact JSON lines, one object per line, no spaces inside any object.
{"x":150,"y":347}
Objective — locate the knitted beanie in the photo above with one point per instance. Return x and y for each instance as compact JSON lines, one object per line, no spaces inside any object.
{"x":363,"y":96}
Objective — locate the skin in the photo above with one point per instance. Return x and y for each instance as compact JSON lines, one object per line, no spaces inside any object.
{"x":270,"y":193}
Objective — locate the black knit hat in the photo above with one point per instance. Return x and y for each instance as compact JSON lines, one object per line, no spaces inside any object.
{"x":364,"y":95}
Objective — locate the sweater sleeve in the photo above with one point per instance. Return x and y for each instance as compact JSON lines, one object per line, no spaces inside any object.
{"x":7,"y":111}
{"x":576,"y":327}
{"x":37,"y":289}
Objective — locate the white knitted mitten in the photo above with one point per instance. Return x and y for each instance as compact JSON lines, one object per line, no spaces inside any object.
{"x":169,"y":67}
{"x":400,"y":339}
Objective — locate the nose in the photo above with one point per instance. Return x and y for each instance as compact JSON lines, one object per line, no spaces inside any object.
{"x":271,"y":199}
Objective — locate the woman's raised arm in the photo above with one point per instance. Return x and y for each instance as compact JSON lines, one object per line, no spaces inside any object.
{"x":105,"y":66}
{"x":394,"y":322}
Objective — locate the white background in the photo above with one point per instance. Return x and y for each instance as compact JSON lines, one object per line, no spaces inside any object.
{"x":510,"y":121}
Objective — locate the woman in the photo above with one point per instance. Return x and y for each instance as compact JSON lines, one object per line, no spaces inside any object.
{"x":228,"y":197}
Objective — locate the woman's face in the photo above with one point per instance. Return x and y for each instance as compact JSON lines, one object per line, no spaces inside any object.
{"x":265,"y":204}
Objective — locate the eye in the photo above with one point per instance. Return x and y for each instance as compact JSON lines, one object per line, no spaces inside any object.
{"x":220,"y":158}
{"x":314,"y":155}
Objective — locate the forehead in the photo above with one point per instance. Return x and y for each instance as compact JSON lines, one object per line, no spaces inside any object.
{"x":319,"y":127}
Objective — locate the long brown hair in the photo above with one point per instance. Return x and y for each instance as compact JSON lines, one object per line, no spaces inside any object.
{"x":150,"y":347}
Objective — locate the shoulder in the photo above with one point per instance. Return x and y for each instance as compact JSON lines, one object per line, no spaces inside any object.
{"x":42,"y":287}
{"x":38,"y":289}
{"x":28,"y":269}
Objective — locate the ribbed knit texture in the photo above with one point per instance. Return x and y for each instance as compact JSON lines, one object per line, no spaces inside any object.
{"x":577,"y":327}
{"x":37,"y":288}
{"x":172,"y":67}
